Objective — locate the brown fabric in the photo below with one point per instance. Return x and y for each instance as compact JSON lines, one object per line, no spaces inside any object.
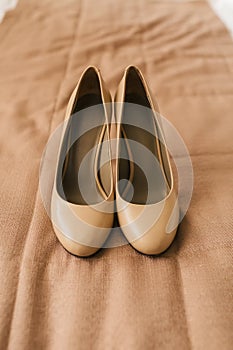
{"x":117,"y":299}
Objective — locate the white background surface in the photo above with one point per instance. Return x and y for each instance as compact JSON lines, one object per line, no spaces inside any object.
{"x":224,"y":9}
{"x":6,"y":5}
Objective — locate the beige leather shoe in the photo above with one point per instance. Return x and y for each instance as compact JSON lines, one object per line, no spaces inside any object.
{"x":147,"y":206}
{"x":83,"y":198}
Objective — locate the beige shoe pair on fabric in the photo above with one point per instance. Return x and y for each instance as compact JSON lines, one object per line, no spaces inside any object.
{"x":90,"y":185}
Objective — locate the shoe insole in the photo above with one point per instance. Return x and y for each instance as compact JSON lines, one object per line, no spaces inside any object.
{"x":149,"y":180}
{"x":77,"y":182}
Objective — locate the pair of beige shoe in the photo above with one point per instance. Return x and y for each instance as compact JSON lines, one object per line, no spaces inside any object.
{"x":137,"y":182}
